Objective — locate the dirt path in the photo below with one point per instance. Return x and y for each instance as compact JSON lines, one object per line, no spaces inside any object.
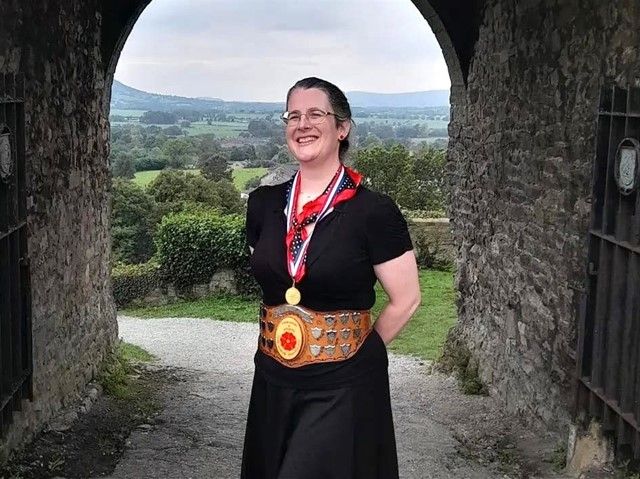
{"x":440,"y":433}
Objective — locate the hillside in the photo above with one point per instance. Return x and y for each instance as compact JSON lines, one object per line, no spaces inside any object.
{"x":124,"y":97}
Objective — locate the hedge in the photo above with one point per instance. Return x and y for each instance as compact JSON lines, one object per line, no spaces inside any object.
{"x":132,"y":281}
{"x":192,"y":247}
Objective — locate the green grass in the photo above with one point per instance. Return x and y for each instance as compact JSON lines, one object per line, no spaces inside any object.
{"x":242,"y":175}
{"x":423,"y":336}
{"x":132,"y":352}
{"x":427,"y":330}
{"x":115,"y":372}
{"x":221,"y":129}
{"x":225,"y":308}
{"x":129,"y":113}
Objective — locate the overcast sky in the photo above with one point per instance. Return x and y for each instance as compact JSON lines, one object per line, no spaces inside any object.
{"x":256,"y":49}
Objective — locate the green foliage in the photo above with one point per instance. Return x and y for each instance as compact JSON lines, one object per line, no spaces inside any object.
{"x":414,"y":181}
{"x":179,"y":152}
{"x":389,"y":171}
{"x":456,"y":358}
{"x":253,"y":183}
{"x":177,"y":191}
{"x":118,"y":369}
{"x":191,"y":247}
{"x":134,"y":215}
{"x":133,"y":281}
{"x":230,"y":201}
{"x":431,"y":181}
{"x":429,"y":245}
{"x":215,"y":167}
{"x":559,"y":458}
{"x":123,"y":166}
{"x":151,"y":160}
{"x":158,"y":117}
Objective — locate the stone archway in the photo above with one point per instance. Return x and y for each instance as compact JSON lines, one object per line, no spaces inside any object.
{"x":455,"y":25}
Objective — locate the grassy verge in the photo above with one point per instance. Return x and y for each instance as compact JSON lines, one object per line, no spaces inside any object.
{"x":423,"y":336}
{"x":118,"y":372}
{"x":224,"y":308}
{"x":427,"y":330}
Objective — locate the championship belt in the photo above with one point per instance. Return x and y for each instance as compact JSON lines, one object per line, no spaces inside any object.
{"x":297,"y":336}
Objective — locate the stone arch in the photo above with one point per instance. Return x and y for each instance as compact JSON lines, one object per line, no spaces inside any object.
{"x":455,"y":25}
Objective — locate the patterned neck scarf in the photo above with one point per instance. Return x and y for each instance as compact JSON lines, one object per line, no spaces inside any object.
{"x":342,"y":187}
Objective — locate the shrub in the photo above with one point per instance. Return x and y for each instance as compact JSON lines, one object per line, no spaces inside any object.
{"x":134,"y":215}
{"x":133,"y":281}
{"x":431,"y":242}
{"x":176,"y":191}
{"x":191,"y":247}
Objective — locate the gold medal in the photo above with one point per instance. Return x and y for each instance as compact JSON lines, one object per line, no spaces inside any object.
{"x":292,"y":296}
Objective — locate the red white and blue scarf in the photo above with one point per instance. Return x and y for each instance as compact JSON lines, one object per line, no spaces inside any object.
{"x":342,"y":187}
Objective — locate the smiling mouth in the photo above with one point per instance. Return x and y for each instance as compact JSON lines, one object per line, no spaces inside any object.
{"x":306,"y":140}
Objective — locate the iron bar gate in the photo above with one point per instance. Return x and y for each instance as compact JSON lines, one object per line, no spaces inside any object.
{"x":608,"y":364}
{"x":15,"y":314}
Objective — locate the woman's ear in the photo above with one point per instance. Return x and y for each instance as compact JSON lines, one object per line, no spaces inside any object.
{"x":343,"y":129}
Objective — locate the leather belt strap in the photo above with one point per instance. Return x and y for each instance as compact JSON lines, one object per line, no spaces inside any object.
{"x":297,"y":336}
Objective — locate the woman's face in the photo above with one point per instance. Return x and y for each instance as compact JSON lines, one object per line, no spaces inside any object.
{"x":306,"y":141}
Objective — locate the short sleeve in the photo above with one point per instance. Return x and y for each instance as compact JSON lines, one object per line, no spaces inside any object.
{"x":387,"y":232}
{"x":254,"y":217}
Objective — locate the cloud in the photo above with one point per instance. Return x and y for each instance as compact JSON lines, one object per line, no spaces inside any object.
{"x":254,"y":50}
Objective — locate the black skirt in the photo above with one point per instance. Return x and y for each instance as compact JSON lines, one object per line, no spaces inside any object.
{"x":326,"y":421}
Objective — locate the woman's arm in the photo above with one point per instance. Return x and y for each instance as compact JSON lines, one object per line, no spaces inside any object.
{"x":399,"y":279}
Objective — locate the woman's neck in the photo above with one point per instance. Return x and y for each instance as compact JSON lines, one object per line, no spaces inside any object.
{"x":315,"y":178}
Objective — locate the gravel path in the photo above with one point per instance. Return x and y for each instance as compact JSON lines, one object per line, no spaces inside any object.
{"x":200,"y":431}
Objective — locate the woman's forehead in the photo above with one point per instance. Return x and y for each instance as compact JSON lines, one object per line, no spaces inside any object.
{"x":303,"y":99}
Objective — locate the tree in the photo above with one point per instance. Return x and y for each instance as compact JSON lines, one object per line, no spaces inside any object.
{"x":134,"y":216}
{"x":176,"y":191}
{"x":123,"y":166}
{"x":266,"y":152}
{"x":388,"y":170}
{"x":158,"y":118}
{"x":208,"y":145}
{"x":431,"y":179}
{"x":178,"y":152}
{"x":230,"y":201}
{"x":215,"y":167}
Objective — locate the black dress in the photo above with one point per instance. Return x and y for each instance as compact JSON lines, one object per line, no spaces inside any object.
{"x":330,"y":420}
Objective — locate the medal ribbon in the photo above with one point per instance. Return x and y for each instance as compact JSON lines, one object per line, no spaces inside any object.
{"x":342,"y":187}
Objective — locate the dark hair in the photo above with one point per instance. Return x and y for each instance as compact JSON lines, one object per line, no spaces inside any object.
{"x":338,"y":102}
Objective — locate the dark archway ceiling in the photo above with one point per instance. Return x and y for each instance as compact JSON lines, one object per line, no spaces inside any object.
{"x":455,"y":23}
{"x":461,"y":20}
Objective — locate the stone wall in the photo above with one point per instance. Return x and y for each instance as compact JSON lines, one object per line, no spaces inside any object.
{"x":521,"y":149}
{"x":56,"y":45}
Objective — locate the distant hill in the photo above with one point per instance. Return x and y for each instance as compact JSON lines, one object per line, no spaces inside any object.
{"x":418,"y":99}
{"x":124,"y":97}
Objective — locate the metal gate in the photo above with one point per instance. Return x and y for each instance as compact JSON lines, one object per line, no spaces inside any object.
{"x":15,"y":314}
{"x":608,"y":358}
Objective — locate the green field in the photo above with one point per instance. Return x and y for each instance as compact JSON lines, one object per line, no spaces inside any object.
{"x":423,"y":336}
{"x":394,"y":121}
{"x":221,"y":129}
{"x":240,"y":176}
{"x":131,"y":113}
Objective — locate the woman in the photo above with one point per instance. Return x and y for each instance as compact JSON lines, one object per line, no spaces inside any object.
{"x":320,"y":405}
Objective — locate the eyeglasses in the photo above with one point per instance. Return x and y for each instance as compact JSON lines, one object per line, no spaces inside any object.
{"x":315,"y":116}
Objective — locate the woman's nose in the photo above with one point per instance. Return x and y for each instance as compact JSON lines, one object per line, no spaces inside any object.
{"x":304,"y":122}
